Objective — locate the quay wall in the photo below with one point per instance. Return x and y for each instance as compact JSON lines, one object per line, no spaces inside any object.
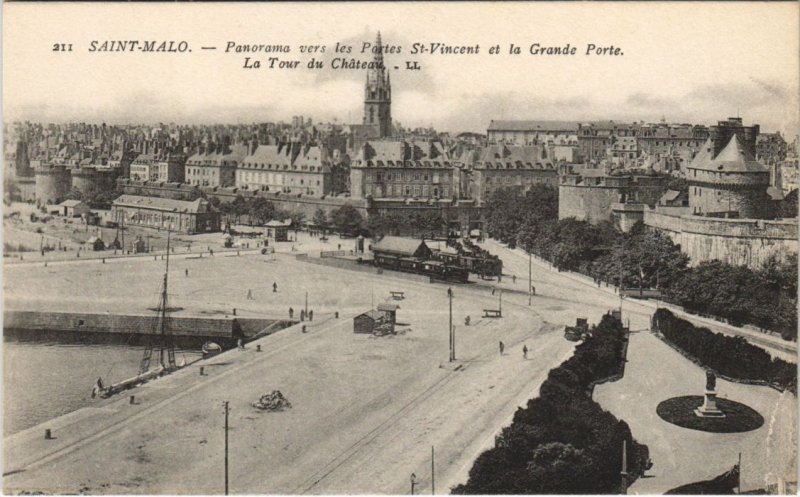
{"x":229,"y":328}
{"x":308,"y":205}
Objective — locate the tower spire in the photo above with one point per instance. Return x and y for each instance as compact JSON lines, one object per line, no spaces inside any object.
{"x":378,"y":93}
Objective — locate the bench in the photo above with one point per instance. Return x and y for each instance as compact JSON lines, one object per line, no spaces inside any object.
{"x":492,"y":313}
{"x":398,"y":295}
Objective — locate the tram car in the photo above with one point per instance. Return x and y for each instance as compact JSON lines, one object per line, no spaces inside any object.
{"x":451,"y":263}
{"x":432,"y":268}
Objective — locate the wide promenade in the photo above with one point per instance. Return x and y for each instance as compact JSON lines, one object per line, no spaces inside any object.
{"x":366,"y":410}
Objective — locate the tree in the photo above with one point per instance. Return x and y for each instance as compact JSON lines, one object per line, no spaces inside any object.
{"x":260,"y":209}
{"x":320,"y":219}
{"x":238,"y":207}
{"x":298,"y":218}
{"x":347,"y":219}
{"x":509,"y":209}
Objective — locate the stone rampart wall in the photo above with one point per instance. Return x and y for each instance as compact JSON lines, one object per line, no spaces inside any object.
{"x":747,"y":242}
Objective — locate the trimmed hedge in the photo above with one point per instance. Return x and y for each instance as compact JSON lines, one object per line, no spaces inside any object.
{"x":563,"y":442}
{"x":729,"y":356}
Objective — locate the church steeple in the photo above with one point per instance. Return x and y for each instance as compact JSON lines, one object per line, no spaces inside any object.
{"x":378,"y":93}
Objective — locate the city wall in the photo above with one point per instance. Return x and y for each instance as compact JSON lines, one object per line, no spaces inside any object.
{"x":288,"y":202}
{"x":747,"y":242}
{"x":592,"y":204}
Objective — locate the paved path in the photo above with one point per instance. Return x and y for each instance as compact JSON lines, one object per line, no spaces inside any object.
{"x":655,"y":372}
{"x":773,"y":344}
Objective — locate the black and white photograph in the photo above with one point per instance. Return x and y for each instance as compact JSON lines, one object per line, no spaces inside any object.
{"x":344,"y":248}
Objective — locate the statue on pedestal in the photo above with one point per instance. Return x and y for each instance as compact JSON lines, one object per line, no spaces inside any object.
{"x":711,"y":381}
{"x":709,"y":408}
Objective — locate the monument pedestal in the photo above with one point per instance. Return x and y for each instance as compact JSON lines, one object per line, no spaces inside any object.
{"x":709,"y":408}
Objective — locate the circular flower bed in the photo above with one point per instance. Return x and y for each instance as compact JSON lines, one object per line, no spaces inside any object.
{"x":738,"y":417}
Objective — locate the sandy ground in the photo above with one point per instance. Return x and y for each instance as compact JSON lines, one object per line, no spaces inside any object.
{"x":366,"y":410}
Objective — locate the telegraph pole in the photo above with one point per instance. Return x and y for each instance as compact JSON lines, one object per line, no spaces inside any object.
{"x":433,"y":474}
{"x":501,"y":303}
{"x":450,"y":328}
{"x":226,"y":446}
{"x":530,"y":279}
{"x":306,"y":303}
{"x":624,"y":472}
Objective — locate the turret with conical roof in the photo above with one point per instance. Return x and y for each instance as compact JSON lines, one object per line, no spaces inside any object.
{"x":378,"y":94}
{"x":725,"y":180}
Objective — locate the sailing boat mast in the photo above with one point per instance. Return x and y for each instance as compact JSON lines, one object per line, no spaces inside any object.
{"x":165,"y":339}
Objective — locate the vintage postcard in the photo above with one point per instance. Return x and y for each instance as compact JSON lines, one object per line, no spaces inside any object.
{"x":400,"y":248}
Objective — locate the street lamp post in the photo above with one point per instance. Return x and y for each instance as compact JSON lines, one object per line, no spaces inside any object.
{"x":450,"y":328}
{"x":530,"y":279}
{"x":501,"y":303}
{"x":227,"y":410}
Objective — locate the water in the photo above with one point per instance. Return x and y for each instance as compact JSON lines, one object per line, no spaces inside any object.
{"x":45,"y":378}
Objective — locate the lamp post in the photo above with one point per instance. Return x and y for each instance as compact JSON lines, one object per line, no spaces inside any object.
{"x":413,"y":482}
{"x":433,"y":473}
{"x":451,"y":334}
{"x":501,"y":303}
{"x":530,"y":279}
{"x":227,"y":410}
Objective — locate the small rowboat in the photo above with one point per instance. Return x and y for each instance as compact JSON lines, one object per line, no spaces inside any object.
{"x":211,"y":349}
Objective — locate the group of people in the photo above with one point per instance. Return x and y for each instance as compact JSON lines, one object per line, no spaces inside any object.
{"x":304,"y":314}
{"x":524,"y":350}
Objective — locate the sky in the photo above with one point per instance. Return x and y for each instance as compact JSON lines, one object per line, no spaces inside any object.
{"x":684,"y":61}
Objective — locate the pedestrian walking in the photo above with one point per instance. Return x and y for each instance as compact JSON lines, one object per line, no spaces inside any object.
{"x":311,"y":315}
{"x":291,"y":313}
{"x":186,"y":272}
{"x":492,"y":291}
{"x":514,"y":279}
{"x":533,"y":290}
{"x":274,"y":287}
{"x":524,"y":351}
{"x":249,"y":294}
{"x":240,"y":344}
{"x":502,"y":347}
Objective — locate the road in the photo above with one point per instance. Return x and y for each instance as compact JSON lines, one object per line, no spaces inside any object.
{"x":365,"y":413}
{"x":655,"y":372}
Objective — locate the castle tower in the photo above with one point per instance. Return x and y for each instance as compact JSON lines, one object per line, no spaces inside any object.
{"x":728,"y":183}
{"x":378,"y":94}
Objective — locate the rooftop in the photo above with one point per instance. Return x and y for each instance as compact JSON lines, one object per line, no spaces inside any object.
{"x":162,"y":204}
{"x":734,"y":158}
{"x":533,"y":126}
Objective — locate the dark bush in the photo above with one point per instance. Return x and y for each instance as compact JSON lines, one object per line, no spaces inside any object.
{"x":563,"y":442}
{"x":733,"y":357}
